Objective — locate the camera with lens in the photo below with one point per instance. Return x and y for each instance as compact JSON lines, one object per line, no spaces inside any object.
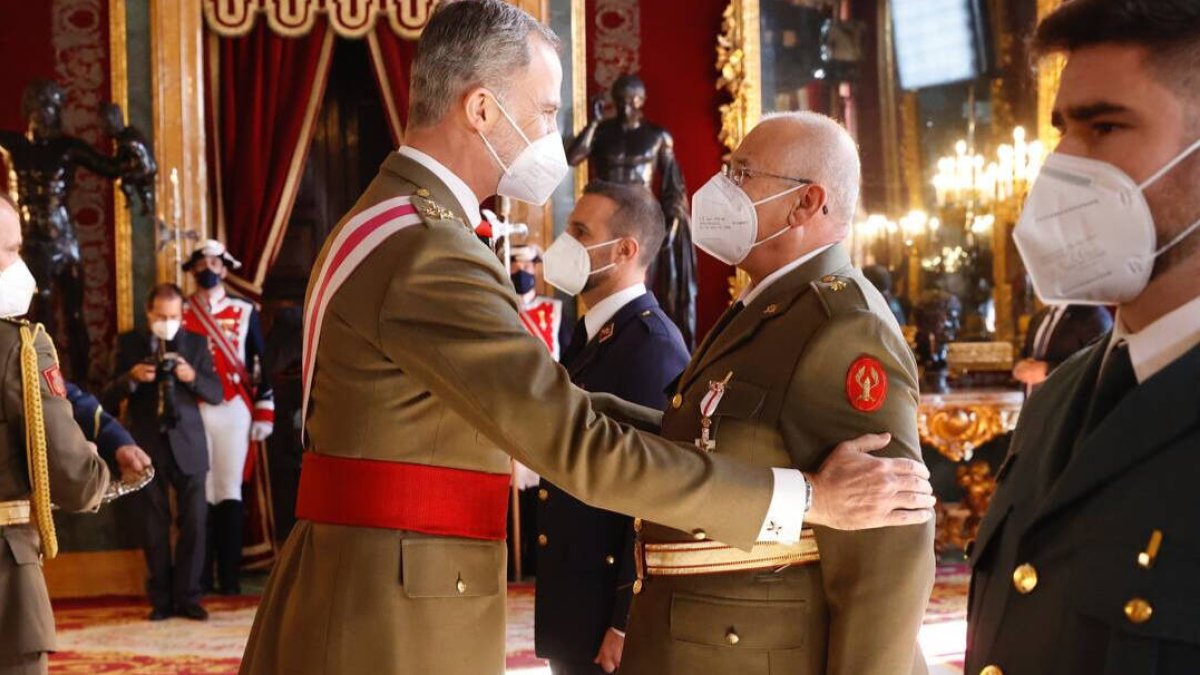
{"x":165,"y":378}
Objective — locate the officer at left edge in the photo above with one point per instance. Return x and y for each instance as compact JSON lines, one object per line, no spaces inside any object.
{"x":52,"y":462}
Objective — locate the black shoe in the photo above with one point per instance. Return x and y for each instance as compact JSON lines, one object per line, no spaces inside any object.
{"x":193,"y":612}
{"x":157,"y":614}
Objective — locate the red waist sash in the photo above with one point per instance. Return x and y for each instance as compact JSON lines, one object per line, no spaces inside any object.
{"x":402,"y":496}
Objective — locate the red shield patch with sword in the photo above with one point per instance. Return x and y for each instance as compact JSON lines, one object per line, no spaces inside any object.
{"x":866,"y":384}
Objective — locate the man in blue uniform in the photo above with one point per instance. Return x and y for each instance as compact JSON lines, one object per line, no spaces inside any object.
{"x":626,"y":346}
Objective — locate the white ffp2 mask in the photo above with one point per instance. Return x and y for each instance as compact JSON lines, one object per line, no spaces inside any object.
{"x":725,"y":222}
{"x":537,"y":170}
{"x":567,"y":266}
{"x":1086,"y":233}
{"x":17,"y":287}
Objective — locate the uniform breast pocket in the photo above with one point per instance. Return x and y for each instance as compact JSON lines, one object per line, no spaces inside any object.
{"x":741,"y":402}
{"x":745,"y":624}
{"x":451,"y":568}
{"x":1146,"y":611}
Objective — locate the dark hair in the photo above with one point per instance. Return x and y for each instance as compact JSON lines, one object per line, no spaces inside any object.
{"x":638,"y":215}
{"x":164,"y":291}
{"x":467,"y":44}
{"x":1169,"y":31}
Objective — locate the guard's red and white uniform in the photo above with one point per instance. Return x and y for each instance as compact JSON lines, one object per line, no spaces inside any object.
{"x":235,"y":337}
{"x":543,"y":319}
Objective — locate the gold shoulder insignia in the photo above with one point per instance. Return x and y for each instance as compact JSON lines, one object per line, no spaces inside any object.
{"x":834,"y":282}
{"x":430,"y":209}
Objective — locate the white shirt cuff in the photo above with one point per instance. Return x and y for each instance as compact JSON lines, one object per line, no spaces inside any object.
{"x":785,"y":515}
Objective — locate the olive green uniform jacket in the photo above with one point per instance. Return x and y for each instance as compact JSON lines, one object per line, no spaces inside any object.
{"x":794,"y":359}
{"x":424,"y":359}
{"x":78,"y":479}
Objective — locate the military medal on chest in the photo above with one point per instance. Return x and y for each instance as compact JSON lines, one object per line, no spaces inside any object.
{"x":708,"y":408}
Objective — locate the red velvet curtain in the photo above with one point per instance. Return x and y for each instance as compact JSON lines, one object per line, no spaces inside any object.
{"x":267,"y":90}
{"x":392,"y":58}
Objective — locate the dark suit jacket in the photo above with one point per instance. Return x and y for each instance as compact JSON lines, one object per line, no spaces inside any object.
{"x":186,"y":441}
{"x":1078,"y":511}
{"x":580,"y":593}
{"x":1079,"y":326}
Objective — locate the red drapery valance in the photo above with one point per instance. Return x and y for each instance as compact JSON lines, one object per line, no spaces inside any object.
{"x":295,"y":18}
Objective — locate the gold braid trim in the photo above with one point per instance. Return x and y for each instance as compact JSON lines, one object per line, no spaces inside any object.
{"x":35,"y":441}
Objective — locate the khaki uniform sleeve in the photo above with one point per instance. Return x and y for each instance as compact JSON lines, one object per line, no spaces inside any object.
{"x":627,"y":412}
{"x":877,"y":582}
{"x":78,"y":477}
{"x":450,"y":321}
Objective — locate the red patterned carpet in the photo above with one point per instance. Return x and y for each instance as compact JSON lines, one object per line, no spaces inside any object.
{"x":111,"y":635}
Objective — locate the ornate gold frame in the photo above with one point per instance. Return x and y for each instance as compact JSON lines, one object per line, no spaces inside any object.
{"x":740,"y":67}
{"x":579,"y":83}
{"x":122,"y":220}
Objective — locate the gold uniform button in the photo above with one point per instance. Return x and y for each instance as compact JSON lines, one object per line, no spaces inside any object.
{"x":677,"y":401}
{"x":1138,"y":611}
{"x":637,"y":586}
{"x":461,"y":586}
{"x":609,"y":560}
{"x":543,"y":540}
{"x":637,"y":525}
{"x":543,"y":494}
{"x":1025,"y":579}
{"x":699,"y":535}
{"x":991,"y":670}
{"x":731,"y":637}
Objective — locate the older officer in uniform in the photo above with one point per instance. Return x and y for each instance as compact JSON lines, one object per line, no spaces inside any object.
{"x":809,"y":355}
{"x":626,"y":346}
{"x":412,"y":411}
{"x":43,"y":457}
{"x":1088,"y":560}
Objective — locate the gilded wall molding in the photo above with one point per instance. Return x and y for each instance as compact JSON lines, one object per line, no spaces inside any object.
{"x":122,"y":218}
{"x":740,"y":71}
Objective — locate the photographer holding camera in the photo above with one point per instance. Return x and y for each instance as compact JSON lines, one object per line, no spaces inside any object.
{"x":164,"y":374}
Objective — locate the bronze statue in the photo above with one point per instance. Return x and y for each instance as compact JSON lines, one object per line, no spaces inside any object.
{"x":44,"y":160}
{"x":627,"y":149}
{"x":938,"y":317}
{"x":135,"y":157}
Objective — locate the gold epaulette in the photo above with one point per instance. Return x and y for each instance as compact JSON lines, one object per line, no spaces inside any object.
{"x":431,"y":210}
{"x":35,"y":440}
{"x":839,"y":294}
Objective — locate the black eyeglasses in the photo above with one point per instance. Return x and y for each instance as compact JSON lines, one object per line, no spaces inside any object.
{"x":739,"y":174}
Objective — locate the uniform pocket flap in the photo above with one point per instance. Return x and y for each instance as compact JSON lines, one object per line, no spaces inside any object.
{"x":451,"y":568}
{"x":24,"y":544}
{"x":740,"y":624}
{"x":741,"y":400}
{"x":1156,"y":602}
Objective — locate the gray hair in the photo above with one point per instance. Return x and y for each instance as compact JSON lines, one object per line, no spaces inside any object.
{"x":638,"y":216}
{"x":828,"y":157}
{"x":467,"y":44}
